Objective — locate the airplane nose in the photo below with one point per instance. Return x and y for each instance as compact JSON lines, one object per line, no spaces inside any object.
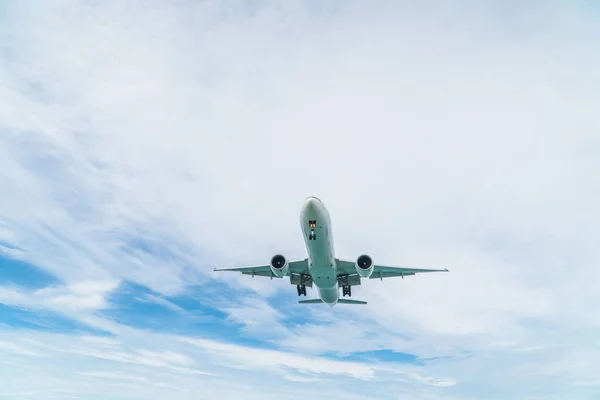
{"x":311,"y":203}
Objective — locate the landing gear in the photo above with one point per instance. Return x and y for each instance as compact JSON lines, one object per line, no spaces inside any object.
{"x":301,"y":290}
{"x":347,"y":291}
{"x":312,"y":225}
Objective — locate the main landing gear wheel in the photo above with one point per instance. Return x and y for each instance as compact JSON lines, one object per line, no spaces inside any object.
{"x":347,"y":291}
{"x":301,"y":290}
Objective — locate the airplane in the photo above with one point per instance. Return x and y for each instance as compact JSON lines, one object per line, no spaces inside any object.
{"x":321,"y":267}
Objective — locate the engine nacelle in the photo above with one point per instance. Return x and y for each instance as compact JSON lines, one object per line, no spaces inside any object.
{"x":364,"y":266}
{"x":279,"y":265}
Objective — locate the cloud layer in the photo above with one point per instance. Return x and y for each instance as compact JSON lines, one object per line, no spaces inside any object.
{"x":140,"y":147}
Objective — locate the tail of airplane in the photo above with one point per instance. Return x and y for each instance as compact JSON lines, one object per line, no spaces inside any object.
{"x":340,"y":301}
{"x":347,"y":301}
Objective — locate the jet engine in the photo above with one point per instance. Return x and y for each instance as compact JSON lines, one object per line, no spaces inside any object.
{"x":364,"y":266}
{"x":279,"y":265}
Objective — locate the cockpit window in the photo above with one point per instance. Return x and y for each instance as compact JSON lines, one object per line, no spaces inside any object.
{"x":312,"y":224}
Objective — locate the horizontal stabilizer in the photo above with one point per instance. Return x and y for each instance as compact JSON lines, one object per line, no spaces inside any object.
{"x":346,"y":301}
{"x":311,"y":301}
{"x":340,"y":301}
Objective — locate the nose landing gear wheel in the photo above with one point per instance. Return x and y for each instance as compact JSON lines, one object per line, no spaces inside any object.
{"x":312,"y":235}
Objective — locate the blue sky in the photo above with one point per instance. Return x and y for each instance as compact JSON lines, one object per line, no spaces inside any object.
{"x":143,"y":146}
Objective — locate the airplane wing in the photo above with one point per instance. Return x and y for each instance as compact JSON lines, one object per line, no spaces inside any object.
{"x":296,"y":268}
{"x":381,"y":271}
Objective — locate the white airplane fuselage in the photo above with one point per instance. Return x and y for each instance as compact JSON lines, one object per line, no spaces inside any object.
{"x":319,"y":246}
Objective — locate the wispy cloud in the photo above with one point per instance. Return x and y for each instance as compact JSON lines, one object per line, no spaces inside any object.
{"x":174,"y":358}
{"x":77,"y":300}
{"x":142,"y":146}
{"x":161,"y":301}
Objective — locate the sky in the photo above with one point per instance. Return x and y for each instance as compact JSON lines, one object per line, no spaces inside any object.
{"x":143,"y":144}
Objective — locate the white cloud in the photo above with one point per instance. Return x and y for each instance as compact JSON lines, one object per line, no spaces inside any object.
{"x":249,"y":358}
{"x":161,"y":301}
{"x":459,"y":137}
{"x":8,"y":347}
{"x":184,"y":364}
{"x":73,"y":298}
{"x":108,"y":375}
{"x":257,"y":317}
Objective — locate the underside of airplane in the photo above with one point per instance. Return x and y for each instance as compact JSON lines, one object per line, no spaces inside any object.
{"x":321,"y":268}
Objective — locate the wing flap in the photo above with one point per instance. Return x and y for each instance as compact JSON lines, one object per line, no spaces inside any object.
{"x":301,"y":279}
{"x":349,"y":280}
{"x":258,"y":272}
{"x":380,"y":271}
{"x":389,"y":274}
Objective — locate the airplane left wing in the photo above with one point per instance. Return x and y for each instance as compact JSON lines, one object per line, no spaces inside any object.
{"x":299,"y":267}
